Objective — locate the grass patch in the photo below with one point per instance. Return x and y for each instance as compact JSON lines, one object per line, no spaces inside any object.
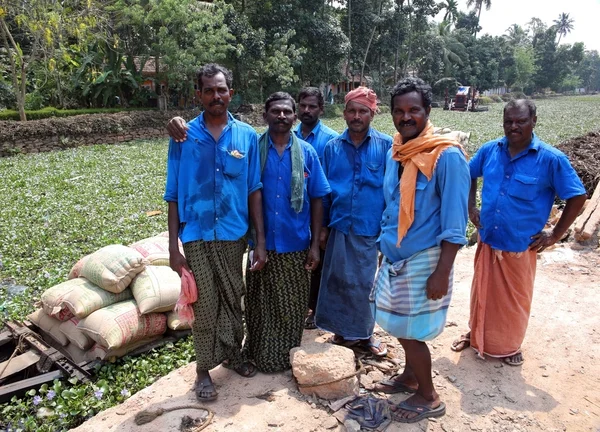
{"x":62,"y":205}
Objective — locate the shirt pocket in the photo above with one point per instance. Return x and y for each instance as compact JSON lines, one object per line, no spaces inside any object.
{"x":374,"y":174}
{"x":524,"y":187}
{"x":235,"y":163}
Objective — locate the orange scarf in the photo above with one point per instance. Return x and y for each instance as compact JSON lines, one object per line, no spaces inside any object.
{"x":418,"y":154}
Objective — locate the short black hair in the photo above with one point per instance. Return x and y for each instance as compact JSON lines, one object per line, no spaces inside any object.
{"x":211,"y":69}
{"x":518,"y":103}
{"x":277,"y":96}
{"x":409,"y":85}
{"x":312,"y":91}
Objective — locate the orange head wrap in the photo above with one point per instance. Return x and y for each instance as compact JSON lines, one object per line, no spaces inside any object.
{"x":364,"y":96}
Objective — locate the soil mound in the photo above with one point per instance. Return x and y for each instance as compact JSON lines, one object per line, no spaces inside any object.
{"x":584,"y":153}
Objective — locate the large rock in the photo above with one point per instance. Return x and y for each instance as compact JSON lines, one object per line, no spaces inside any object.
{"x":325,"y":370}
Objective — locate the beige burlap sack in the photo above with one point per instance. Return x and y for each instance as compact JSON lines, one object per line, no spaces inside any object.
{"x":154,"y":249}
{"x":98,"y":352}
{"x":76,"y":269}
{"x":52,"y":298}
{"x":175,"y":323}
{"x":75,"y":335}
{"x":156,"y":289}
{"x":122,"y":323}
{"x":48,"y":325}
{"x":88,"y":298}
{"x":113,"y":267}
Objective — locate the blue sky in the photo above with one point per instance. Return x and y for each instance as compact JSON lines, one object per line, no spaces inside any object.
{"x":504,"y":13}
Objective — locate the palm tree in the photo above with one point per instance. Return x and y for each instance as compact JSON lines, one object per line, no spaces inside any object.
{"x":563,"y":25}
{"x":451,"y":7}
{"x":478,"y":4}
{"x":451,"y":47}
{"x":516,"y":35}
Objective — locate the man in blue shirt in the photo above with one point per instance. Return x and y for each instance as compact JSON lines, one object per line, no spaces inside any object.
{"x":213,"y":189}
{"x":293,"y":187}
{"x":316,"y":133}
{"x":521,"y":178}
{"x":354,"y":164}
{"x":426,"y":187}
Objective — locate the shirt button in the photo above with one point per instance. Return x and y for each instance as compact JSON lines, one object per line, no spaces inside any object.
{"x":507,"y":176}
{"x":277,"y":196}
{"x":217,"y":169}
{"x":495,"y":227}
{"x":216,"y":218}
{"x":279,"y":178}
{"x":502,"y":193}
{"x":497,"y":211}
{"x":276,"y":213}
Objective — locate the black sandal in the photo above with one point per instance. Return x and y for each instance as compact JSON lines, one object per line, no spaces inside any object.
{"x":205,"y":389}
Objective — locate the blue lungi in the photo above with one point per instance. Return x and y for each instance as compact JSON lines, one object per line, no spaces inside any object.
{"x":346,"y":281}
{"x":399,"y":299}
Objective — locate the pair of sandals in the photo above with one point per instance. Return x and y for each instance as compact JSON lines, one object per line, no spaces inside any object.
{"x":205,"y":388}
{"x":464,"y":342}
{"x":374,"y":346}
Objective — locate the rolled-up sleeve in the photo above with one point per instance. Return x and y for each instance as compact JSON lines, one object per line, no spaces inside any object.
{"x":173,"y":160}
{"x":453,"y":183}
{"x":476,"y":163}
{"x":565,"y":180}
{"x":254,"y":173}
{"x":318,"y":186}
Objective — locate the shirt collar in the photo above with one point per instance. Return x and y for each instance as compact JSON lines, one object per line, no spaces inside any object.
{"x":271,"y":144}
{"x":200,"y":119}
{"x":346,"y":136}
{"x":312,"y":132}
{"x":533,"y":145}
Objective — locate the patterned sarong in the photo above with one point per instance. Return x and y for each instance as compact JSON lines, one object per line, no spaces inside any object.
{"x":275,"y":310}
{"x":399,"y":299}
{"x":218,"y":327}
{"x":348,"y":273}
{"x":501,"y":296}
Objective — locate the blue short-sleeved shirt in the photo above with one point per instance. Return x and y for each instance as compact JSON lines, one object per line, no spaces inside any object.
{"x":355,"y":175}
{"x":210,"y":181}
{"x":518,"y":192}
{"x":286,"y":230}
{"x":318,"y":137}
{"x":441,"y":211}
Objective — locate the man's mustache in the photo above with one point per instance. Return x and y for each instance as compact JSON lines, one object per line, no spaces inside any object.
{"x":408,"y":123}
{"x":216,"y":103}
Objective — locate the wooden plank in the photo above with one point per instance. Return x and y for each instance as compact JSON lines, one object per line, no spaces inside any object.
{"x":5,"y":337}
{"x":20,"y":387}
{"x":19,"y":363}
{"x":591,"y":225}
{"x":589,"y":209}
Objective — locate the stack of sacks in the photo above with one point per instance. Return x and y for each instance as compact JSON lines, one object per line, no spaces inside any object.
{"x":114,"y":302}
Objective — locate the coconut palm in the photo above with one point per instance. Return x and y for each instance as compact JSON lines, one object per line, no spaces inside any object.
{"x":452,"y":49}
{"x":563,"y":25}
{"x":516,"y":35}
{"x":478,"y":4}
{"x":451,"y":8}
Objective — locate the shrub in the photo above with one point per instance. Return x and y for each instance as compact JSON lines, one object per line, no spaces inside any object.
{"x":50,"y":112}
{"x":485,"y":100}
{"x":496,"y":98}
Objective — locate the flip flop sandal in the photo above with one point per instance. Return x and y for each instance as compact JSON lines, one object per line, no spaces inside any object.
{"x":247,"y":370}
{"x":423,"y":412}
{"x":206,"y":386}
{"x":392,"y":386}
{"x":461,"y":344}
{"x":510,"y":362}
{"x":309,"y":322}
{"x":338,"y":340}
{"x":376,"y":347}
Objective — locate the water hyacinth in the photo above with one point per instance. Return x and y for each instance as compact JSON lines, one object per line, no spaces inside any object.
{"x":51,"y":394}
{"x":124,"y":392}
{"x":37,"y":400}
{"x":98,"y":394}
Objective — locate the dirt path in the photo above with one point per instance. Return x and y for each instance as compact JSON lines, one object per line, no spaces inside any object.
{"x":557,"y":389}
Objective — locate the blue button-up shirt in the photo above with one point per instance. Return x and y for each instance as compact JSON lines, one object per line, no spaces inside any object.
{"x":286,"y":230}
{"x":441,"y":211}
{"x":518,"y":192}
{"x":355,"y":175}
{"x":211,"y":180}
{"x":318,"y":137}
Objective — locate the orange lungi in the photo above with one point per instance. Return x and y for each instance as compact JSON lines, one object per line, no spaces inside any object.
{"x":501,"y":296}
